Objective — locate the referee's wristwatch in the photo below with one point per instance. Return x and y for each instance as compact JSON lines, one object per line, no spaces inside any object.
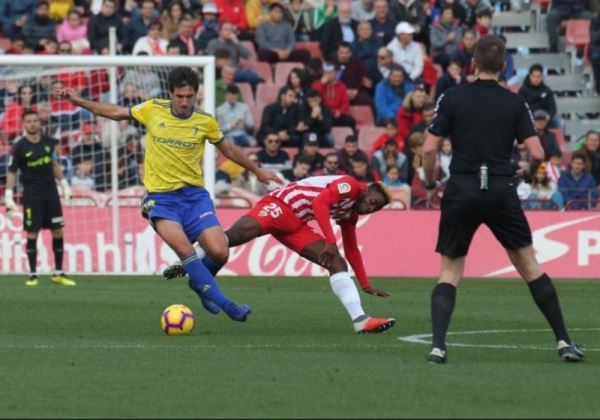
{"x":431,"y":186}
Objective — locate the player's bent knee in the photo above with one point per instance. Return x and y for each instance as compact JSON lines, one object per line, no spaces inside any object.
{"x":338,"y":265}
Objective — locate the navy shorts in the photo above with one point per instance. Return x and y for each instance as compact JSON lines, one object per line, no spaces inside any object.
{"x":191,"y":207}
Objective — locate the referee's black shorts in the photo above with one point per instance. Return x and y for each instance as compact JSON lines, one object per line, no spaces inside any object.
{"x":465,"y":207}
{"x":42,"y":213}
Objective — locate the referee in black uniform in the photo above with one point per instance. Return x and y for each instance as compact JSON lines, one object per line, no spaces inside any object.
{"x":34,"y":155}
{"x":483,"y":120}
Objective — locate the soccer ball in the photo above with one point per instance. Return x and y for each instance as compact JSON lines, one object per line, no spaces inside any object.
{"x":177,"y":320}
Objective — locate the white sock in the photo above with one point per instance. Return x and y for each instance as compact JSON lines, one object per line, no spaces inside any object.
{"x":344,"y":288}
{"x":199,"y":250}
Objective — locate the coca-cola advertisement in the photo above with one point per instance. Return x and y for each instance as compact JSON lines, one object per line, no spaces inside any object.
{"x":393,"y":244}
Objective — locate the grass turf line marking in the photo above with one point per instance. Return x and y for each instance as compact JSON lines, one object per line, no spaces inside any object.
{"x":426,"y":339}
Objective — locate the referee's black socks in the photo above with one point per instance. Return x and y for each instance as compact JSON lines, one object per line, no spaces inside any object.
{"x":58,"y":248}
{"x":546,"y":298}
{"x":443,"y":298}
{"x":31,"y":249}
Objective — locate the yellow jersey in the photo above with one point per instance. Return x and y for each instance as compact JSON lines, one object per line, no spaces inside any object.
{"x":174,"y":146}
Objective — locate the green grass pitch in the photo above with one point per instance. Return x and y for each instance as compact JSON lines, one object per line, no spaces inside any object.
{"x":97,"y":350}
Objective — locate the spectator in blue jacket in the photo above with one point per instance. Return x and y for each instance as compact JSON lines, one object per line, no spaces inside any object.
{"x":138,"y":25}
{"x":577,"y":184}
{"x":13,"y":15}
{"x":390,"y":93}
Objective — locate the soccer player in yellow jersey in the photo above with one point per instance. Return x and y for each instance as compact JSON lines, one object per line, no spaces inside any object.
{"x":179,"y":208}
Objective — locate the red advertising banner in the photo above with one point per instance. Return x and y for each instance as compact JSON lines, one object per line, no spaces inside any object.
{"x":393,"y":243}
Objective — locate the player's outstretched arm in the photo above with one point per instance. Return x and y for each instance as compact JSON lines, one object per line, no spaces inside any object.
{"x":111,"y":111}
{"x":354,"y":257}
{"x":234,"y":153}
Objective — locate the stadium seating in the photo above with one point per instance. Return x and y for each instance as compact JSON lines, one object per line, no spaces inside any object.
{"x":569,"y":83}
{"x":575,"y":128}
{"x":514,"y":19}
{"x":531,"y":40}
{"x":368,"y":135}
{"x":569,"y":105}
{"x":339,"y":135}
{"x":246,"y":94}
{"x":312,"y":47}
{"x":5,"y":44}
{"x":249,"y":45}
{"x":263,"y":70}
{"x":577,"y":32}
{"x":282,"y":71}
{"x":560,"y":137}
{"x":558,"y":61}
{"x":363,"y":114}
{"x":266,"y":93}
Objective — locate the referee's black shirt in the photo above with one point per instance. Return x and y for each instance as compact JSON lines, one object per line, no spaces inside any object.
{"x":482,"y":120}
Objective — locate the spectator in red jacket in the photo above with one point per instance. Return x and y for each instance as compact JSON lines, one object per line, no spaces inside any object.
{"x":335,"y":96}
{"x":234,"y":12}
{"x":11,"y":119}
{"x":411,"y":111}
{"x":391,"y":132}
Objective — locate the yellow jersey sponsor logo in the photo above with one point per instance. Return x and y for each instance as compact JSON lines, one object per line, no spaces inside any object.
{"x":175,"y":143}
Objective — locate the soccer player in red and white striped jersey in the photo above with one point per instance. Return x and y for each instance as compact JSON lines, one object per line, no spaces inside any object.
{"x":285,"y":214}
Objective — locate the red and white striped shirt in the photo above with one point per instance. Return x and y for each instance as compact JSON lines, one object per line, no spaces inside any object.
{"x":299,"y":196}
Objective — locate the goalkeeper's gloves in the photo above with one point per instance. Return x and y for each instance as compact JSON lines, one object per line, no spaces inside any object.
{"x":9,"y":202}
{"x":66,"y":190}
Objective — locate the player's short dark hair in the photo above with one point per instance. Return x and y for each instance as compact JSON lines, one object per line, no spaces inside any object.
{"x":489,"y":54}
{"x":233,"y":89}
{"x":383,"y":190}
{"x":28,"y":112}
{"x":391,"y":142}
{"x":351,"y":139}
{"x":181,"y":77}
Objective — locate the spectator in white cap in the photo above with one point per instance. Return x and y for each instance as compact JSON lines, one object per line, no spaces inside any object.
{"x":407,"y":52}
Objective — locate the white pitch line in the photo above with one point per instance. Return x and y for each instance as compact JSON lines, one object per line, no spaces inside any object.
{"x":426,"y":339}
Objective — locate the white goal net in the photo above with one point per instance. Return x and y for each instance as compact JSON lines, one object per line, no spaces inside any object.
{"x":101,"y":159}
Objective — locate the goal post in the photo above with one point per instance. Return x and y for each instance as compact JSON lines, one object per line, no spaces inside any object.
{"x":105,"y":79}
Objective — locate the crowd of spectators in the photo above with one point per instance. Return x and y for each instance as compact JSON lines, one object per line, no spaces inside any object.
{"x":389,"y":58}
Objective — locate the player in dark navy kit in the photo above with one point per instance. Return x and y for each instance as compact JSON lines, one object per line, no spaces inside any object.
{"x":34,"y":155}
{"x":483,"y":120}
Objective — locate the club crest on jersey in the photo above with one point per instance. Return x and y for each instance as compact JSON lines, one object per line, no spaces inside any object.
{"x":344,"y":188}
{"x":162,"y":125}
